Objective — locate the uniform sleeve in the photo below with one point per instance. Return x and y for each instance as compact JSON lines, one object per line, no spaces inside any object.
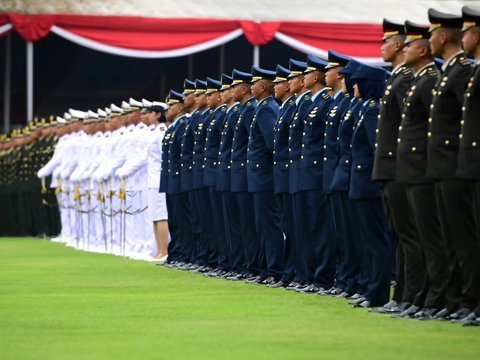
{"x":427,"y":95}
{"x":461,"y":79}
{"x":266,"y":118}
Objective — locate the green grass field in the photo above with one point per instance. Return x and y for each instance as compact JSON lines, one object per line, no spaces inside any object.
{"x":59,"y":303}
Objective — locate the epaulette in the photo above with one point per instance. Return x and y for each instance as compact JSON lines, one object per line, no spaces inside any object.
{"x":235,"y":108}
{"x":224,"y":109}
{"x":464,"y":61}
{"x":264,"y":102}
{"x":182,"y":121}
{"x":325,"y":96}
{"x":307,"y":97}
{"x":371,"y":103}
{"x":249,"y":103}
{"x":313,"y":112}
{"x":406,"y":70}
{"x":291,"y":102}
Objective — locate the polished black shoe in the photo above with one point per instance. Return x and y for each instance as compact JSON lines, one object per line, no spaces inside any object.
{"x":389,"y":308}
{"x":442,"y":314}
{"x":212,"y":273}
{"x":356,"y":296}
{"x":278,"y":284}
{"x":425,"y":314}
{"x":357,"y":301}
{"x":334,"y":291}
{"x":293,"y":286}
{"x":475,"y":322}
{"x":343,"y":295}
{"x":221,"y":274}
{"x":302,"y":287}
{"x":228,"y":274}
{"x":459,"y":314}
{"x":311,"y":289}
{"x":253,"y":279}
{"x":470,"y":317}
{"x":363,"y":304}
{"x":269,"y":281}
{"x":323,"y":292}
{"x":407,"y":313}
{"x":170,"y":264}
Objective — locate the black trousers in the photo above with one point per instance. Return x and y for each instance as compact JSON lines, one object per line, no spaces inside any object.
{"x":456,"y":204}
{"x":411,"y":267}
{"x":425,"y":211}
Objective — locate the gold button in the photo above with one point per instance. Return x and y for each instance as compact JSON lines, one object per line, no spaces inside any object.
{"x":398,"y":140}
{"x":346,"y":161}
{"x":463,"y":108}
{"x":462,"y":122}
{"x":400,"y":128}
{"x":460,"y":136}
{"x":430,"y":120}
{"x":315,"y":162}
{"x":447,"y":142}
{"x":474,"y":144}
{"x":390,"y":153}
{"x":414,"y":148}
{"x":301,"y":157}
{"x":376,"y":131}
{"x":376,"y":145}
{"x":324,"y":159}
{"x":429,"y":134}
{"x":359,"y":166}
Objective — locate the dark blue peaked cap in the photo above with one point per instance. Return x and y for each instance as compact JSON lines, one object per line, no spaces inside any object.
{"x":240,"y":77}
{"x":351,"y":67}
{"x":213,"y":85}
{"x":281,"y":74}
{"x":368,"y":72}
{"x":315,"y":64}
{"x":174,"y":97}
{"x":296,"y":67}
{"x":226,"y":82}
{"x":336,"y":59}
{"x":262,"y":74}
{"x":188,"y":87}
{"x":200,"y":87}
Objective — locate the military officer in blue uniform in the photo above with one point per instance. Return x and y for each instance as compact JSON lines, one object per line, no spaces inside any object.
{"x":369,"y":86}
{"x":314,"y":231}
{"x":212,"y":144}
{"x":260,"y":177}
{"x":195,"y":90}
{"x":208,"y":250}
{"x":455,"y":196}
{"x":341,"y":101}
{"x":181,"y":242}
{"x":231,"y":215}
{"x":295,"y":133}
{"x":280,"y":169}
{"x":241,"y":92}
{"x":347,"y":221}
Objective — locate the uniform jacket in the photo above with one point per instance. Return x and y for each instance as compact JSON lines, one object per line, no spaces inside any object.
{"x":446,"y":115}
{"x":412,"y":134}
{"x":391,"y":110}
{"x":260,"y":146}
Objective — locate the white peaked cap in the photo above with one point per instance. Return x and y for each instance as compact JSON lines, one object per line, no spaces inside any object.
{"x":92,"y":114}
{"x":61,"y":120}
{"x":115,"y":108}
{"x":159,"y":103}
{"x":146,"y":103}
{"x":77,"y":113}
{"x":101,"y":113}
{"x":67,"y":116}
{"x":134,"y":102}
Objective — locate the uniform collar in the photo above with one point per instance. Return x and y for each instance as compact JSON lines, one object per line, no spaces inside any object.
{"x":318,"y":93}
{"x":396,"y":68}
{"x":445,"y":65}
{"x":231,"y":106}
{"x":286,"y":100}
{"x":423,"y":68}
{"x":337,"y":94}
{"x":297,"y":101}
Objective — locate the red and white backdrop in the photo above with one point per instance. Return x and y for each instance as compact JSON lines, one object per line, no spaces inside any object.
{"x":145,"y":37}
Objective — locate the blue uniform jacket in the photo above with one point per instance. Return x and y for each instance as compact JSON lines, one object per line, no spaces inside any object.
{"x":164,"y":170}
{"x":225,"y":150}
{"x":311,"y":159}
{"x":341,"y":177}
{"x":174,"y":155}
{"x":280,"y":146}
{"x":200,"y":132}
{"x":239,"y":146}
{"x":295,"y":134}
{"x":186,"y":171}
{"x":330,"y":154}
{"x":212,"y":145}
{"x":363,"y":149}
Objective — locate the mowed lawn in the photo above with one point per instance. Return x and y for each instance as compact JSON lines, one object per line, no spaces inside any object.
{"x":59,"y":303}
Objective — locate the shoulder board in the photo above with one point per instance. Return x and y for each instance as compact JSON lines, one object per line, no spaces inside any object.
{"x":454,"y":60}
{"x":264,"y":102}
{"x":307,"y":97}
{"x":210,"y":111}
{"x":224,"y":109}
{"x":325,"y":96}
{"x":235,"y":108}
{"x":249,"y":103}
{"x":464,"y":61}
{"x":406,"y":70}
{"x":182,"y":121}
{"x":371,"y":103}
{"x":291,"y":102}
